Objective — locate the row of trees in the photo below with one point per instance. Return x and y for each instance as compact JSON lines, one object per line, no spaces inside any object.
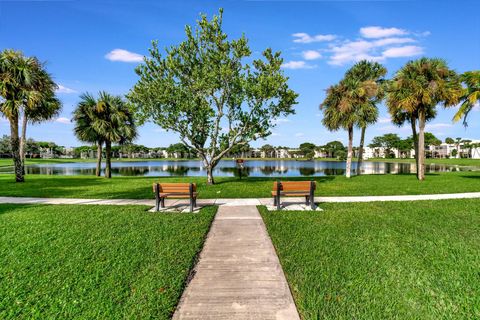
{"x":32,"y":148}
{"x":412,"y":96}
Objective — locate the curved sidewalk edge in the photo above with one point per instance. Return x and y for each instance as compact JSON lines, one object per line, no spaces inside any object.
{"x":235,"y":201}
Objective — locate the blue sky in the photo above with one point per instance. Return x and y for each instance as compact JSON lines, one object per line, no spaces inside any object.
{"x":95,"y":45}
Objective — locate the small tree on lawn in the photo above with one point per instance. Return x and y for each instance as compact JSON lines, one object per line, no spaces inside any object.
{"x":204,"y":90}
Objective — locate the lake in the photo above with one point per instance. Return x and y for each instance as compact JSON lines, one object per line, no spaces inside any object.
{"x":228,"y":168}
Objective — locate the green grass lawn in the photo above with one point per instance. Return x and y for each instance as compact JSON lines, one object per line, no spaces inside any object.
{"x":394,"y":260}
{"x":95,"y":262}
{"x":140,"y":187}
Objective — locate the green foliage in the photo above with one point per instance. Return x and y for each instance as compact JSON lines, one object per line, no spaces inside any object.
{"x":431,"y":140}
{"x":26,"y":89}
{"x":204,"y":85}
{"x":449,"y":140}
{"x":381,"y":260}
{"x":471,"y":95}
{"x":95,"y":262}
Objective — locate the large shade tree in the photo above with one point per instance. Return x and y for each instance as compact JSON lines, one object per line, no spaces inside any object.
{"x":471,"y":95}
{"x":104,"y":120}
{"x":416,"y":90}
{"x":205,"y":90}
{"x":27,"y":90}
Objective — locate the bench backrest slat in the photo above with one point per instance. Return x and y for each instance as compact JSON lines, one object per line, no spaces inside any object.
{"x":294,"y":185}
{"x":175,"y":187}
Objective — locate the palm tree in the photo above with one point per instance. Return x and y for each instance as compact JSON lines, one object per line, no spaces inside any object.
{"x":48,"y":108}
{"x":471,"y":95}
{"x":85,"y":114}
{"x":337,"y":115}
{"x":368,"y":74}
{"x":400,"y":117}
{"x":417,"y":88}
{"x":25,"y":87}
{"x":107,"y":120}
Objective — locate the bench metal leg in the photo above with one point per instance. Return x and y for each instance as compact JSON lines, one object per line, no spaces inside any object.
{"x":274,"y":200}
{"x":157,"y":198}
{"x":307,"y":200}
{"x":157,"y":204}
{"x":162,"y":202}
{"x":278,"y":202}
{"x":191,"y":205}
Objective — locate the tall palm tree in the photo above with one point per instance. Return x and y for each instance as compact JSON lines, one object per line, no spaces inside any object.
{"x":336,"y":115}
{"x":368,"y":74}
{"x":417,"y":88}
{"x":108,"y":120}
{"x":24,"y":86}
{"x":116,"y":125}
{"x":47,"y":108}
{"x":400,"y":117}
{"x":471,"y":95}
{"x":84,"y":115}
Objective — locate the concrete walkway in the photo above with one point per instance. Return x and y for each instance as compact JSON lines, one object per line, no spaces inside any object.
{"x":238,"y":275}
{"x":236,"y":202}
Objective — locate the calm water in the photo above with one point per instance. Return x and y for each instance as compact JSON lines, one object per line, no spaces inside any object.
{"x":227,"y":168}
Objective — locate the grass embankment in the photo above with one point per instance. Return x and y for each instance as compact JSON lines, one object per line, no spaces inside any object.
{"x":140,"y":187}
{"x":408,"y":260}
{"x":95,"y":262}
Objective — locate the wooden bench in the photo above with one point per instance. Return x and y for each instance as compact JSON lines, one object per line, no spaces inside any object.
{"x":176,"y":191}
{"x":294,"y":189}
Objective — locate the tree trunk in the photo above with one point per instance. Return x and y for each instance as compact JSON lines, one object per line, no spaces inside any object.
{"x":15,"y":145}
{"x":23,"y":141}
{"x":350,"y":152}
{"x":413,"y":123}
{"x":360,"y":151}
{"x":108,"y":159}
{"x":210,"y":179}
{"x":99,"y":159}
{"x":421,"y":146}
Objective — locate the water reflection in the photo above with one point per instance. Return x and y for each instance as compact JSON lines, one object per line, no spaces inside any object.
{"x":252,"y":168}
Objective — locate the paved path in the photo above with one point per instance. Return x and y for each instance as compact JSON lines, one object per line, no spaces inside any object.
{"x":236,"y":202}
{"x":238,"y":275}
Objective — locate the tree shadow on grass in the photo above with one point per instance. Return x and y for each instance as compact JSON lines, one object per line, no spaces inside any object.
{"x":471,"y":177}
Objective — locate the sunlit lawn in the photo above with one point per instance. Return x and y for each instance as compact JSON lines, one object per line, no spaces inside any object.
{"x":95,"y":262}
{"x":140,"y":187}
{"x":395,"y":260}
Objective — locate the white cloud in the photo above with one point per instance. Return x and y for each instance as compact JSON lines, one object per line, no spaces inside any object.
{"x":384,"y":120}
{"x":435,"y":126}
{"x":159,"y":130}
{"x":275,"y":134}
{"x":303,"y":37}
{"x":63,"y":120}
{"x":299,"y":134}
{"x":353,"y":51}
{"x":123,"y":56}
{"x":63,"y":89}
{"x":281,"y":120}
{"x":311,"y":55}
{"x":380,"y":32}
{"x":297,"y":65}
{"x":393,"y":40}
{"x":406,"y":51}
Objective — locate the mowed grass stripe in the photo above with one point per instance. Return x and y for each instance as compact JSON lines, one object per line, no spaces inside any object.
{"x":402,"y":260}
{"x":141,"y":187}
{"x":95,"y":262}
